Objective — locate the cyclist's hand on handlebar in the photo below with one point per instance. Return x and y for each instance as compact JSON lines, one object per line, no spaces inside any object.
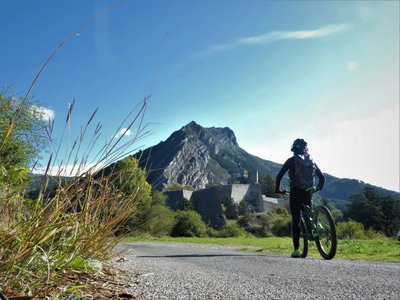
{"x":313,"y":189}
{"x":279,"y":192}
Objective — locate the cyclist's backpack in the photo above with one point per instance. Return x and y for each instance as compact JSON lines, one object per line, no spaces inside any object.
{"x":303,"y":173}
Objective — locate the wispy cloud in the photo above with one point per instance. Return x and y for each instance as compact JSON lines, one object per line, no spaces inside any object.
{"x":123,"y":131}
{"x":44,"y":112}
{"x":274,"y":36}
{"x":352,"y":65}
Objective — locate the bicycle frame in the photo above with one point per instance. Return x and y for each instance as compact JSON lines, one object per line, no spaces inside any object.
{"x":318,"y":225}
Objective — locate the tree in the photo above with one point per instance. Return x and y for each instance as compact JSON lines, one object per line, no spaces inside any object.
{"x":20,"y":148}
{"x":129,"y":177}
{"x":375,"y":211}
{"x":151,"y":214}
{"x":130,"y":180}
{"x":391,"y":215}
{"x":267,"y":184}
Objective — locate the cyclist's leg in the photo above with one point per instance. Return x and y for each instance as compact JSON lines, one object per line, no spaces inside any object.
{"x":306,"y":197}
{"x":306,"y":200}
{"x":295,"y":206}
{"x":297,"y":198}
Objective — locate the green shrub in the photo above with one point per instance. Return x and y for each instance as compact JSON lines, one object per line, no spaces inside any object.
{"x":247,"y":220}
{"x":266,"y":224}
{"x":281,"y":227}
{"x":151,"y":217}
{"x":189,"y":223}
{"x":355,"y":230}
{"x":211,"y":232}
{"x":350,"y":230}
{"x":259,"y":231}
{"x":161,"y":221}
{"x":231,"y":230}
{"x":372,"y":234}
{"x":244,"y":208}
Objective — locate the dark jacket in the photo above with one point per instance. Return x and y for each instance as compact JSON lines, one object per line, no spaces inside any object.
{"x":301,"y":173}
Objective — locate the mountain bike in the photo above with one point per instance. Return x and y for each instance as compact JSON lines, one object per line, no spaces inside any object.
{"x":316,"y":224}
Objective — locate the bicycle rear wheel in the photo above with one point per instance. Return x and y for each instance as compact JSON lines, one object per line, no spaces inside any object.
{"x":303,"y":239}
{"x":325,"y":227}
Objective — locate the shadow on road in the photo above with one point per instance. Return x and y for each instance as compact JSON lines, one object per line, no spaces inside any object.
{"x":195,"y":255}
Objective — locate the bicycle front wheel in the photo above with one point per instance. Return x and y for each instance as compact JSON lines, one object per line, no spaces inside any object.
{"x":326,"y":232}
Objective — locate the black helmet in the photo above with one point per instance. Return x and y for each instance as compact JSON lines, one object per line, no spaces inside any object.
{"x":298,"y":146}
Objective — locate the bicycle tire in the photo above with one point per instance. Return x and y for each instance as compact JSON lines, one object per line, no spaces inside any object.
{"x":303,"y":239}
{"x":326,"y":240}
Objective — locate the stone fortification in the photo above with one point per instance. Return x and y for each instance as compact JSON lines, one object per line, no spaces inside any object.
{"x":175,"y":198}
{"x":218,"y":203}
{"x":207,"y":203}
{"x":270,"y":204}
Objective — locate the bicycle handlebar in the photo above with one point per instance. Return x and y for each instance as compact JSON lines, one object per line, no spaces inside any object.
{"x":284,"y":192}
{"x":312,"y":190}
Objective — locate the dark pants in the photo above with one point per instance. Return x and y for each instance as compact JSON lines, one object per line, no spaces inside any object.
{"x":297,"y":197}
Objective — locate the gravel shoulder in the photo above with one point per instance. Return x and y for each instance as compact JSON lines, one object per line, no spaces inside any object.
{"x":182,"y":271}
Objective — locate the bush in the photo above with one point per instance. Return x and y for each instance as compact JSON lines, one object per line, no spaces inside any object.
{"x":281,"y":227}
{"x":372,"y":234}
{"x":211,"y":232}
{"x":246,"y":221}
{"x":161,"y":221}
{"x":266,"y":224}
{"x":355,"y":230}
{"x":189,"y":223}
{"x":259,"y":231}
{"x":350,"y":230}
{"x":231,"y":230}
{"x":152,"y":216}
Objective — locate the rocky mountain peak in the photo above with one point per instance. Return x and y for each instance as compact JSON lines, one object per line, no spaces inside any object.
{"x":192,"y":128}
{"x":199,"y":157}
{"x":214,"y":137}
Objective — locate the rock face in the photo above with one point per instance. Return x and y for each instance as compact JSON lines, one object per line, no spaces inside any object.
{"x":200,"y":157}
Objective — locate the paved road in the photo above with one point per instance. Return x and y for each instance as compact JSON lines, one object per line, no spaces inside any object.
{"x":175,"y":271}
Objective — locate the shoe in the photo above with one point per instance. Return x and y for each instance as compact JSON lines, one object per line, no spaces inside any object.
{"x":296,"y":254}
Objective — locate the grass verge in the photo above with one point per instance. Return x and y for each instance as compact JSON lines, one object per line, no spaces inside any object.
{"x":387,"y":250}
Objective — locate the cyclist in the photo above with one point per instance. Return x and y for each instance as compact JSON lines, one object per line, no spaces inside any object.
{"x":302,"y":171}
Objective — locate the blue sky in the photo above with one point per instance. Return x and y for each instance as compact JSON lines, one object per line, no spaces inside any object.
{"x":272,"y":71}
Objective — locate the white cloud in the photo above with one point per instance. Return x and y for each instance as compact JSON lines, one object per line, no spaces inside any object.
{"x":352,"y":65}
{"x":69,"y":170}
{"x":123,"y":131}
{"x":45,"y":113}
{"x":277,"y":36}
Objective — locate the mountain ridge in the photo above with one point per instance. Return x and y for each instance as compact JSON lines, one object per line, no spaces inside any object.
{"x":200,"y":157}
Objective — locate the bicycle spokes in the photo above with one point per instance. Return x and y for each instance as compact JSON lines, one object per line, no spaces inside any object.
{"x":322,"y":229}
{"x":325,"y":232}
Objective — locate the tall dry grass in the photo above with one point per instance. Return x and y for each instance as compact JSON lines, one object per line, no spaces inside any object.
{"x":76,"y":220}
